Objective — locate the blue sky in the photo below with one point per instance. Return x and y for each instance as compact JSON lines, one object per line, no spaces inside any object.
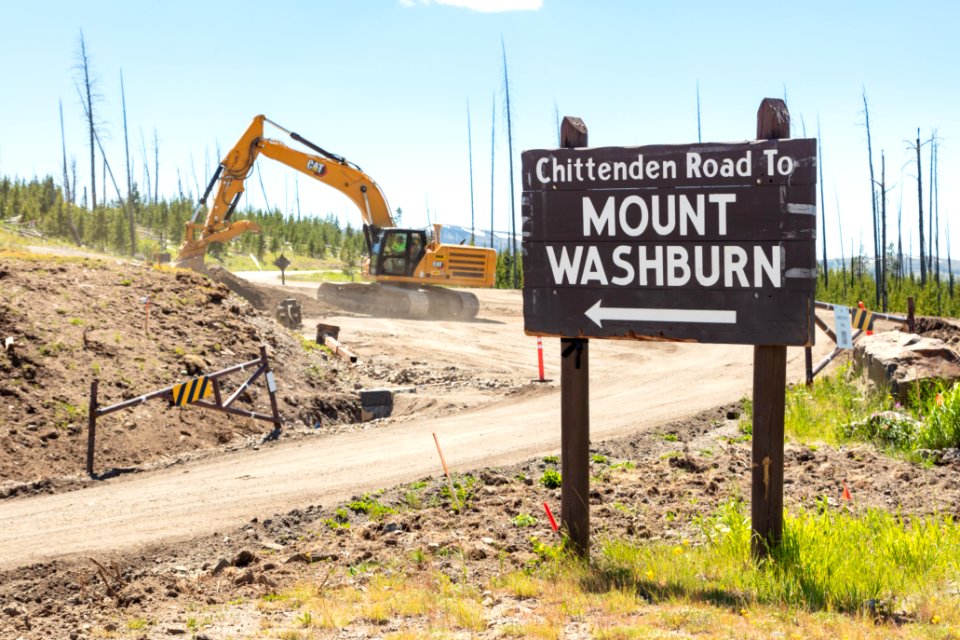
{"x":386,"y":83}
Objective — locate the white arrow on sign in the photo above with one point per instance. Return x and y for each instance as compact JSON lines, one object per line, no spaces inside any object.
{"x":598,"y":314}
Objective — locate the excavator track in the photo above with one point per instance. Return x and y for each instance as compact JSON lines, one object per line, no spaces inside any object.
{"x":433,"y":303}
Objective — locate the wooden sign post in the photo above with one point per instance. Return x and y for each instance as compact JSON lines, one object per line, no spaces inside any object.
{"x":769,"y":394}
{"x":711,"y":243}
{"x":575,"y":409}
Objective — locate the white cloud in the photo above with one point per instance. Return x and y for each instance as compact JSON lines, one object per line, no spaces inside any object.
{"x":483,"y":6}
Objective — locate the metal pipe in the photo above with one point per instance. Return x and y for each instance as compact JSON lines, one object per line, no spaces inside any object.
{"x":876,"y":314}
{"x":338,"y":349}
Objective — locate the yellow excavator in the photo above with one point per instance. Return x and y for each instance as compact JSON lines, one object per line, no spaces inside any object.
{"x":410,"y":271}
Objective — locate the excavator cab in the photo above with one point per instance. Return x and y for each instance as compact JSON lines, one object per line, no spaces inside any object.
{"x":397,"y":252}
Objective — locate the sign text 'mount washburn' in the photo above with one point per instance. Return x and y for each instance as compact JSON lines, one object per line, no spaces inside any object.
{"x":707,"y":242}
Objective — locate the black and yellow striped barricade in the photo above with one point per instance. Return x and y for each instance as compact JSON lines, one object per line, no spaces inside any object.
{"x":862,"y":319}
{"x":188,"y":392}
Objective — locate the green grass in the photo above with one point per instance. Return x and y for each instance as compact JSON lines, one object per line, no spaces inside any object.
{"x":322,"y":276}
{"x":373,"y":508}
{"x":522,"y":520}
{"x":466,"y":491}
{"x":842,"y":408}
{"x":818,"y":412}
{"x":828,"y":561}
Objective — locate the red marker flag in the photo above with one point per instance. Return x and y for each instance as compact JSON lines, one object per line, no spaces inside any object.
{"x":553,"y":523}
{"x":846,"y":492}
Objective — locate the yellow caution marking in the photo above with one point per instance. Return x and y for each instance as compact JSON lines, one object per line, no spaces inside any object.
{"x":862,"y":319}
{"x":192,"y":391}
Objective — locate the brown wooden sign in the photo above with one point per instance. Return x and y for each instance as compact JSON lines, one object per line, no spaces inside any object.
{"x":704,"y":242}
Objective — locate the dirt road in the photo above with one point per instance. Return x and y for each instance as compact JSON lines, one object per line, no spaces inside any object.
{"x":633,"y":386}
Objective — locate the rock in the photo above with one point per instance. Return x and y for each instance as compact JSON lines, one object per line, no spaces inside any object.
{"x":222,"y":564}
{"x":491,"y":478}
{"x":273,"y":546}
{"x":477,"y":552}
{"x":245,"y":578}
{"x":950,"y":456}
{"x":244,"y":558}
{"x":12,"y":611}
{"x":904,"y":360}
{"x":176,"y":631}
{"x":298,"y":557}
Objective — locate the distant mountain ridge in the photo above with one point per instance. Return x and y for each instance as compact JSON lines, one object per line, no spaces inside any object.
{"x":455,"y":234}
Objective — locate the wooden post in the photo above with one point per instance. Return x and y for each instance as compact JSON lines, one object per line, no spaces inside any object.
{"x":911,"y":315}
{"x":769,"y":396}
{"x":271,"y":387}
{"x":808,"y":364}
{"x":575,"y":409}
{"x":575,"y":442}
{"x":92,"y":425}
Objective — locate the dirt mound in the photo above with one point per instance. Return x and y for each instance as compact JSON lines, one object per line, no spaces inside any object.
{"x":266,"y":299}
{"x":941,"y":328}
{"x":67,"y":321}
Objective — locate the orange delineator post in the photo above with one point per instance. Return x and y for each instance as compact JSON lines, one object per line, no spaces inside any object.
{"x":540,"y":356}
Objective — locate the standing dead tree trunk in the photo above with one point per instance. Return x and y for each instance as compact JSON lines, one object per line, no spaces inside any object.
{"x":493,"y":148}
{"x":873,"y":199}
{"x":473,"y":239}
{"x":843,"y":261}
{"x":126,"y":148}
{"x":823,"y":202}
{"x":513,"y":216}
{"x":68,"y":187}
{"x":87,"y":99}
{"x":156,"y":167}
{"x":147,"y":181}
{"x":930,"y":225}
{"x":900,"y":270}
{"x":883,"y":231}
{"x":935,"y":205}
{"x":923,"y":262}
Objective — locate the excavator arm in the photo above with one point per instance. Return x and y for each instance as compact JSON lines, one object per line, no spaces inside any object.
{"x":326,"y":167}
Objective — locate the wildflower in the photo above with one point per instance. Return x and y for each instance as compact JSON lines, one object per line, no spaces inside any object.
{"x":649,"y":574}
{"x":677,"y":551}
{"x":939,"y":399}
{"x":935,"y":619}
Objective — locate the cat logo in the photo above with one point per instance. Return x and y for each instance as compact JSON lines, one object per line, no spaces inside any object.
{"x":318,"y":168}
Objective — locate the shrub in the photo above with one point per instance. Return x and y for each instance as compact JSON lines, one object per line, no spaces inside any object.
{"x":551,"y":479}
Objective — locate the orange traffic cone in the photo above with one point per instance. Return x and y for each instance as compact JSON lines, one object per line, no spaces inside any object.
{"x":846,"y":492}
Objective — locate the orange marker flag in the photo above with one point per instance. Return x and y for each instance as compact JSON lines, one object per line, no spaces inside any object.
{"x":846,"y":492}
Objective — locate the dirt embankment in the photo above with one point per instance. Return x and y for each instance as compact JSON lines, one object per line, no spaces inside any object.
{"x":648,"y":486}
{"x":67,"y":321}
